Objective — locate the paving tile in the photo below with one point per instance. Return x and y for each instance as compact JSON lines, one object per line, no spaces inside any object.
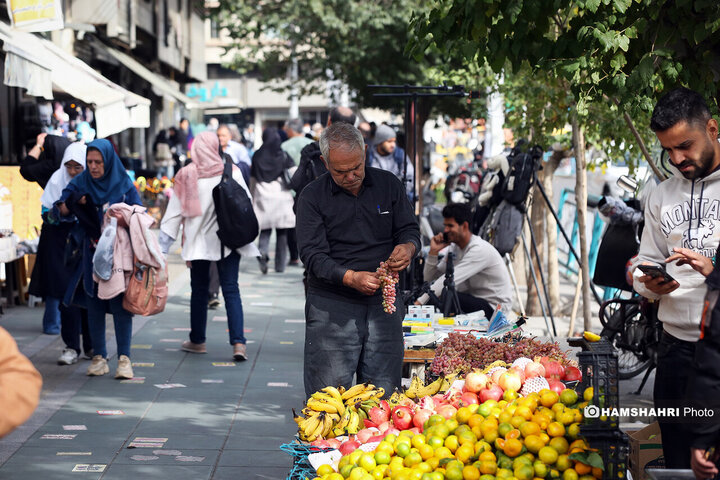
{"x":70,"y":450}
{"x":247,"y":441}
{"x":148,"y":456}
{"x":255,"y":458}
{"x":46,"y":469}
{"x":250,"y":473}
{"x":135,"y":472}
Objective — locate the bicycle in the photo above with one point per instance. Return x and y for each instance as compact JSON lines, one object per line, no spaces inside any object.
{"x":632,"y":326}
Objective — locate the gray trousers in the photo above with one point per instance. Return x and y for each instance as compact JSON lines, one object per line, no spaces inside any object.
{"x":344,"y":339}
{"x":281,"y":246}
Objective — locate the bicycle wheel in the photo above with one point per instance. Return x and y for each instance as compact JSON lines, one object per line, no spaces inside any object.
{"x":626,"y":328}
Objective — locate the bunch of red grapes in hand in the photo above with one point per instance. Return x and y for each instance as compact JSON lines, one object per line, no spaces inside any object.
{"x":388,"y":280}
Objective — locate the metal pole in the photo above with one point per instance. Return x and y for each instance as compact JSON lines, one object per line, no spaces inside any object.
{"x":542,"y":275}
{"x":534,"y":276}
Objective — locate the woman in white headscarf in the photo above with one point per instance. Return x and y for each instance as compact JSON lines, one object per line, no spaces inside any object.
{"x":50,"y":277}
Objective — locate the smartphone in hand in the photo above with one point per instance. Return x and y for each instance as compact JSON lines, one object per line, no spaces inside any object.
{"x":656,"y":271}
{"x":445,"y":238}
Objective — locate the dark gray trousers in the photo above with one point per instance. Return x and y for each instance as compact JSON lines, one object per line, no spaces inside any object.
{"x":343,"y":339}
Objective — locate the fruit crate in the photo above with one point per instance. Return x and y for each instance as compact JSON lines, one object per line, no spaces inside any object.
{"x":301,"y":468}
{"x":614,"y":448}
{"x":598,"y":363}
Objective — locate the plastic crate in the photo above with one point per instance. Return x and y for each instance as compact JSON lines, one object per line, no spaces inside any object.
{"x":614,"y":448}
{"x":301,"y":468}
{"x":598,"y":363}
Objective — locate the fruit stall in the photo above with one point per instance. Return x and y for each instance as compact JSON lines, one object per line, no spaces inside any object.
{"x":491,"y":408}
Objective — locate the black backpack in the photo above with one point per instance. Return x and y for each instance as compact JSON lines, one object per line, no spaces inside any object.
{"x":237,"y":224}
{"x":521,"y":175}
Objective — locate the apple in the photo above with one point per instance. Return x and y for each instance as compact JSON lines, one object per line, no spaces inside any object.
{"x":348,"y":446}
{"x":402,"y":417}
{"x":475,"y":381}
{"x":492,"y":392}
{"x":556,"y":385}
{"x":446,"y":411}
{"x":421,"y":417}
{"x":510,"y":380}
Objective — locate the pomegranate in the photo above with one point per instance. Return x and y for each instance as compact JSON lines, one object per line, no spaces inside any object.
{"x":402,"y":417}
{"x":556,"y":385}
{"x":553,"y":369}
{"x":420,"y":417}
{"x":348,"y":446}
{"x":469,"y":398}
{"x":364,"y":434}
{"x":534,"y":369}
{"x":491,"y":392}
{"x":447,"y":411}
{"x":476,"y":381}
{"x":510,"y":380}
{"x":520,"y":372}
{"x":572,"y":374}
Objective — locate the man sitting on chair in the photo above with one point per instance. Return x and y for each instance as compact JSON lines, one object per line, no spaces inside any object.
{"x":481,"y":277}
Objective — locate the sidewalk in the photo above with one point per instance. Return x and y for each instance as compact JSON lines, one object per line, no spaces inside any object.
{"x":227,"y":422}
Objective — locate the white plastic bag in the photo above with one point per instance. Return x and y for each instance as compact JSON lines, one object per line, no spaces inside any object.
{"x":103,"y":258}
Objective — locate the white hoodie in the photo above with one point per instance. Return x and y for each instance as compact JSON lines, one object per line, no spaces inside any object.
{"x":680,"y":213}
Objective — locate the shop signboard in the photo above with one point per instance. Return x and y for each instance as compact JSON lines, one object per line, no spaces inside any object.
{"x":35,"y":15}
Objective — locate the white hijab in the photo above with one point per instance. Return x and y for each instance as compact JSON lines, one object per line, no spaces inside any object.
{"x":61,"y":177}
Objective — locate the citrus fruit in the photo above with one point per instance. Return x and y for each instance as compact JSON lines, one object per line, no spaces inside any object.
{"x":470,"y":473}
{"x":367,"y":462}
{"x":549,"y":398}
{"x":513,"y":447}
{"x":548,"y":455}
{"x":556,"y":429}
{"x":464,"y":453}
{"x":451,"y":442}
{"x":588,"y":394}
{"x":569,"y":474}
{"x":487,"y":456}
{"x":524,"y":472}
{"x":534,"y":443}
{"x":569,"y":397}
{"x":560,"y":444}
{"x":463,"y":415}
{"x":325,"y":470}
{"x":412,"y":458}
{"x":402,"y":449}
{"x":563,"y":463}
{"x":382,"y":458}
{"x":488,"y":467}
{"x":426,"y":451}
{"x":582,"y":469}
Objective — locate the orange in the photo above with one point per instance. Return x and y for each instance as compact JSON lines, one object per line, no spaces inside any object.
{"x":548,"y":455}
{"x":503,"y":429}
{"x":463,"y":415}
{"x":488,"y":467}
{"x":525,"y":412}
{"x":402,"y":449}
{"x":517,"y":420}
{"x":464,"y":453}
{"x":513,"y":447}
{"x":569,"y":397}
{"x":534,"y":443}
{"x":325,"y":469}
{"x":573,"y":431}
{"x":487,"y":456}
{"x":582,"y":469}
{"x":467,"y":437}
{"x":452,"y":443}
{"x":570,"y":474}
{"x":504,"y":417}
{"x":597,"y":472}
{"x":483,"y":446}
{"x":475,"y":420}
{"x":588,"y":394}
{"x":529,"y":428}
{"x":443,"y":452}
{"x":560,"y":444}
{"x":524,"y":472}
{"x":556,"y":429}
{"x":426,"y":451}
{"x":412,"y":459}
{"x":563,"y":463}
{"x":544,"y":437}
{"x":549,"y":398}
{"x":418,"y":440}
{"x":470,"y":473}
{"x":435,"y":442}
{"x":514,"y":433}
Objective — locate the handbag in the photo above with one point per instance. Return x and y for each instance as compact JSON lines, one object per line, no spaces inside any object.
{"x":147,"y":290}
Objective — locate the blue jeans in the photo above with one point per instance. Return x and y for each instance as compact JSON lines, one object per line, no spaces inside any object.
{"x":96,"y":322}
{"x":75,"y":321}
{"x":343,"y":339}
{"x":228,"y":269}
{"x":51,"y":317}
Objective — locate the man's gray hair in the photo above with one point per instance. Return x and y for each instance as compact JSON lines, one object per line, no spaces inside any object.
{"x":295,"y":124}
{"x":342,"y":136}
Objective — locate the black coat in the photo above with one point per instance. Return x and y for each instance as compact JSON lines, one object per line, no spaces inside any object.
{"x":41,"y":169}
{"x":704,"y":383}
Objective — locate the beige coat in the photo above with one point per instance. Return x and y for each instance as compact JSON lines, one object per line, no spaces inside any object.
{"x":273,"y":204}
{"x":20,"y":385}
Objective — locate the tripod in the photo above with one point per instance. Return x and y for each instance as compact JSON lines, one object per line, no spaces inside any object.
{"x":448,"y":303}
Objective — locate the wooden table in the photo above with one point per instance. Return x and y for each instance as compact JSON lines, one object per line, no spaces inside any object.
{"x":418,"y":359}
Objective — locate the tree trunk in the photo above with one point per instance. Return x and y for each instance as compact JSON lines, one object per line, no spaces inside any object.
{"x":422,"y":113}
{"x":553,"y":264}
{"x":581,"y":202}
{"x":537,"y":224}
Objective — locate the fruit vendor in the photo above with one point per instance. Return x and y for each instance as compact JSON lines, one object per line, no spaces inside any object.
{"x":681,"y":212}
{"x":348,"y":222}
{"x":481,"y":278}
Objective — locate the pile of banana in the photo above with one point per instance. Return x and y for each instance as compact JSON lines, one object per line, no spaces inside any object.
{"x":332,"y":412}
{"x":418,"y":389}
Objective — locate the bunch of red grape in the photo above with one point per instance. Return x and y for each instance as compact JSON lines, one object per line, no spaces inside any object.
{"x":464,"y":352}
{"x":388,"y":279}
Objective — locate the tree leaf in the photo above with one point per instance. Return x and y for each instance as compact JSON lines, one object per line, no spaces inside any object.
{"x":595,"y":461}
{"x":592,"y":5}
{"x":621,"y":5}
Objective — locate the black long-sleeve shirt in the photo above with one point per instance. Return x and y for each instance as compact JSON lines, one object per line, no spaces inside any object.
{"x":337,"y":231}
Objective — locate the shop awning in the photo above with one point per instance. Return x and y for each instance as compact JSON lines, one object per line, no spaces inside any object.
{"x":116,"y":109}
{"x":23,"y":68}
{"x":162,"y":86}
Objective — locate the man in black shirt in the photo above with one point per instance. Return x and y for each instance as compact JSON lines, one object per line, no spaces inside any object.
{"x":348,"y":221}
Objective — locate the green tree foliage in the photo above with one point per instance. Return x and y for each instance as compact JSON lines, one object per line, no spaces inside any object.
{"x":629,"y":50}
{"x":355,"y":42}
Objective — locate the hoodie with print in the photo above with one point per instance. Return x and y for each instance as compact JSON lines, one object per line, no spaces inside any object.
{"x":680,"y":213}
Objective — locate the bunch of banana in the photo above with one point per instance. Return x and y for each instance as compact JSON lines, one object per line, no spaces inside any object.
{"x":418,"y":389}
{"x":447,"y":382}
{"x":329,"y":400}
{"x":361,"y":392}
{"x":398,"y":398}
{"x":365,"y":406}
{"x":316,"y":425}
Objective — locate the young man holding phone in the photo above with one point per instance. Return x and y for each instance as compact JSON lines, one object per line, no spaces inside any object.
{"x":682,"y":212}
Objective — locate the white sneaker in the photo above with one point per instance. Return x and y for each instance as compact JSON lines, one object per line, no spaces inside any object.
{"x":68,"y":357}
{"x":98,"y":366}
{"x":124,"y":369}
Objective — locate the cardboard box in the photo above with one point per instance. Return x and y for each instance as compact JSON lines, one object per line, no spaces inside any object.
{"x":645,"y":450}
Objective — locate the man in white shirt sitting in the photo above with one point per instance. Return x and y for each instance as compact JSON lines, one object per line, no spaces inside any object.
{"x":481,"y":278}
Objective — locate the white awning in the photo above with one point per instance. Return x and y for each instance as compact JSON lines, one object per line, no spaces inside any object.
{"x":22,"y":67}
{"x":162,"y":86}
{"x":116,"y":109}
